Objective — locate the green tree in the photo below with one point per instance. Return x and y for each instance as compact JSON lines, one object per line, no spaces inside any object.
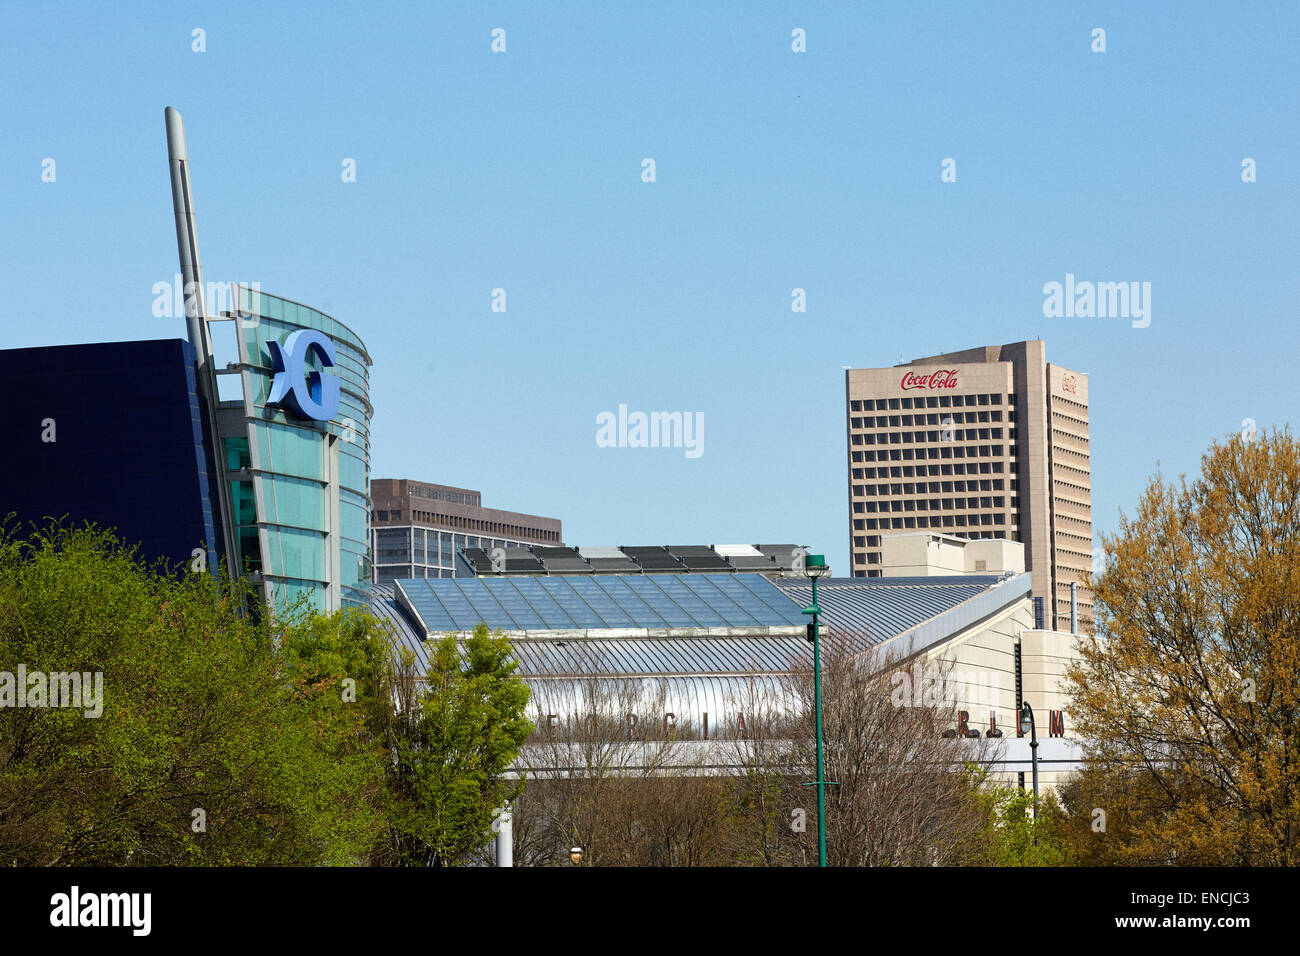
{"x":451,"y":747}
{"x":1011,"y":835}
{"x":223,"y":738}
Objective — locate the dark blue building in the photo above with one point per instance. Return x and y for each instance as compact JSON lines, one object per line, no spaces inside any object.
{"x":110,"y":433}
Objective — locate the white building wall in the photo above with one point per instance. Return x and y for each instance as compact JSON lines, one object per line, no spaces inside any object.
{"x":921,"y":555}
{"x":980,"y":663}
{"x":994,"y":556}
{"x":930,"y":553}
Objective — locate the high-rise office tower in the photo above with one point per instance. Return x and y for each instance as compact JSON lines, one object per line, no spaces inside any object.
{"x":984,"y":443}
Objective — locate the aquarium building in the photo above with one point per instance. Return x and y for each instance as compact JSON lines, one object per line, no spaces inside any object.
{"x":260,"y":466}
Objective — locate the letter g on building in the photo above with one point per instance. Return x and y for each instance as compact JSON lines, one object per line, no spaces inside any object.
{"x":314,"y":395}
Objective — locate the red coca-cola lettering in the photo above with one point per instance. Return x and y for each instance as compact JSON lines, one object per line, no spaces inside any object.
{"x":944,"y":378}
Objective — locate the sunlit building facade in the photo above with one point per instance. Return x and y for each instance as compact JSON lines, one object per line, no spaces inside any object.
{"x":417,"y":529}
{"x":990,"y":442}
{"x":253,"y":458}
{"x":299,"y":486}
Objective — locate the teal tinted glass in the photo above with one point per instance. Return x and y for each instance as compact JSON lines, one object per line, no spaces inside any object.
{"x":292,"y":451}
{"x":293,"y":501}
{"x":354,"y":521}
{"x":237,"y":457}
{"x":287,"y":592}
{"x":355,"y":570}
{"x":352,"y":472}
{"x":244,"y":504}
{"x":250,"y":549}
{"x":296,"y":553}
{"x":295,"y":492}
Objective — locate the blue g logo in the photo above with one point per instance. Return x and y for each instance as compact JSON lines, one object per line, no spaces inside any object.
{"x":316,"y":398}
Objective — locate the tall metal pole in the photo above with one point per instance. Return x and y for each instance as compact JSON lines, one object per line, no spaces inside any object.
{"x":814,"y":567}
{"x":817,"y":695}
{"x":1033,"y":751}
{"x":187,"y":243}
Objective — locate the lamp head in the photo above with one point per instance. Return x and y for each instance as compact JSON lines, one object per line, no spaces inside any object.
{"x":1026,"y":718}
{"x":814,"y":566}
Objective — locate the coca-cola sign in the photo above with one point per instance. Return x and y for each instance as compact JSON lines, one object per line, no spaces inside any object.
{"x":944,"y":378}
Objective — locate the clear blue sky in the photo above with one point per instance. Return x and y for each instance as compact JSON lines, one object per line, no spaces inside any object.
{"x":775,"y":170}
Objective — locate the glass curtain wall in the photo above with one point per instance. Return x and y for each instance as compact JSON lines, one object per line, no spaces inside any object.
{"x":301,"y":497}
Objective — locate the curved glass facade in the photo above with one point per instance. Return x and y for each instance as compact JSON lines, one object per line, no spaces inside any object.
{"x":299,"y":487}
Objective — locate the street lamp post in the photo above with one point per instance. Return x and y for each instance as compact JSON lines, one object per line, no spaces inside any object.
{"x":1027,"y":727}
{"x":814,"y":568}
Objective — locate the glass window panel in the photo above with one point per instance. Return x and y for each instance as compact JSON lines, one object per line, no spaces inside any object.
{"x":243,"y":502}
{"x":765,"y":592}
{"x":704,"y":588}
{"x":286,"y":593}
{"x":487,"y":608}
{"x":352,"y":470}
{"x":689,"y":602}
{"x":293,"y":451}
{"x":661,"y":603}
{"x":601,"y":602}
{"x":626,"y":598}
{"x":573,"y":604}
{"x":431,"y":610}
{"x":237,"y":456}
{"x":296,"y":554}
{"x":293,"y":501}
{"x":250,"y":549}
{"x":354,"y":571}
{"x":513,"y":601}
{"x":458,"y":606}
{"x":541,"y":601}
{"x":353,"y":519}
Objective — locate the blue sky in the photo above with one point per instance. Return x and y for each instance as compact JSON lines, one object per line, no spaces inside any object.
{"x":774,"y":170}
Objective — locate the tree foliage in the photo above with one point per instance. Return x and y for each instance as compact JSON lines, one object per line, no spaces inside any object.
{"x":212,"y":748}
{"x":1190,"y":693}
{"x":451,"y":749}
{"x":234,"y":738}
{"x":1010,"y":834}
